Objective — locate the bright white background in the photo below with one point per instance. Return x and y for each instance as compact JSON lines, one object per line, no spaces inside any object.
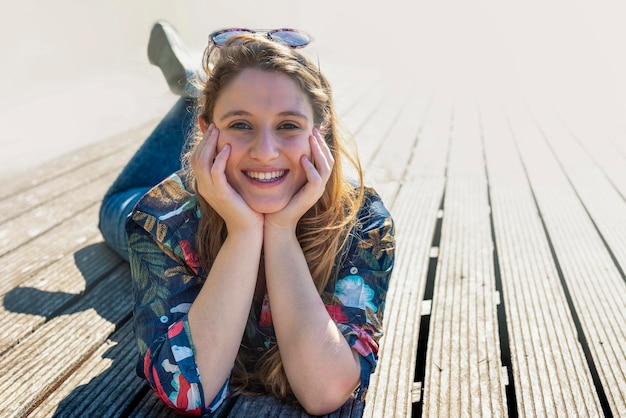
{"x":75,"y":72}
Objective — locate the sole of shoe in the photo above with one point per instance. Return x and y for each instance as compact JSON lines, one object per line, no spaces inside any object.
{"x":165,"y":50}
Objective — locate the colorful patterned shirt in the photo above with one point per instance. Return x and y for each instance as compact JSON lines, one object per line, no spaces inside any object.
{"x":167,"y":277}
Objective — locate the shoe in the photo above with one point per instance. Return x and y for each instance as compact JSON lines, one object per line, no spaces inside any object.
{"x":166,"y":51}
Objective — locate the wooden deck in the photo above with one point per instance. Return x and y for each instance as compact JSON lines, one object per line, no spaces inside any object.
{"x":508,"y":297}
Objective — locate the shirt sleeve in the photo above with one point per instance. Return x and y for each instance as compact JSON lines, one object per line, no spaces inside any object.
{"x":164,"y":287}
{"x":358,"y":298}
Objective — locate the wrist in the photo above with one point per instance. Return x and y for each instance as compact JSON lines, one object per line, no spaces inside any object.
{"x":272,"y":230}
{"x":246,"y":235}
{"x":276,"y":235}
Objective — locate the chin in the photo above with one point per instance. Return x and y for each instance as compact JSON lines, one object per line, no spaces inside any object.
{"x":267,"y":207}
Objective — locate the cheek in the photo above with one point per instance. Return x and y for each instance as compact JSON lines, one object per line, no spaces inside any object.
{"x":301,"y":147}
{"x":231,"y":165}
{"x":233,"y":159}
{"x":221,"y":141}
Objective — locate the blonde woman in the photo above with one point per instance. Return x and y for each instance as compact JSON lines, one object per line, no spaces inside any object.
{"x":258,"y":267}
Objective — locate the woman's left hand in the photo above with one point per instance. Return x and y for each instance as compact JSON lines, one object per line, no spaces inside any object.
{"x":317,"y":174}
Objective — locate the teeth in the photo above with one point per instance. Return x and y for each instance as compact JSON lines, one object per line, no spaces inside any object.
{"x":265,"y":176}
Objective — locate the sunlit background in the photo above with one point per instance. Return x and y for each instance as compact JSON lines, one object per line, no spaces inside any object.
{"x":75,"y":72}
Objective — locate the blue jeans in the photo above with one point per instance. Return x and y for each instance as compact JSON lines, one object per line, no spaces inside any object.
{"x":156,"y":159}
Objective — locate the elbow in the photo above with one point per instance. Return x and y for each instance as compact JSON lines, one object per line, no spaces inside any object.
{"x":319,"y":407}
{"x":326,"y":401}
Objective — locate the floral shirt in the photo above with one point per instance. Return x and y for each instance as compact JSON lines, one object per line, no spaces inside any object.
{"x":167,"y":277}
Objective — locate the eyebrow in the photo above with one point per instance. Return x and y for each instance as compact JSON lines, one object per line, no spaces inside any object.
{"x":293,"y":113}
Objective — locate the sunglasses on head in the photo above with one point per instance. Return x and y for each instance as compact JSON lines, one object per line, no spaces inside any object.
{"x":291,"y":37}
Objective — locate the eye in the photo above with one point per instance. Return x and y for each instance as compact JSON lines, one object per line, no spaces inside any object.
{"x":288,"y":126}
{"x":240,"y":126}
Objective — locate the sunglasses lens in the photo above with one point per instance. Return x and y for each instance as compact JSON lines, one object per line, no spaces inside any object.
{"x":220,"y":38}
{"x":290,"y":37}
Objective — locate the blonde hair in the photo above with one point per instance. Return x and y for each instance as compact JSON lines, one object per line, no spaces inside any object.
{"x":324,"y":230}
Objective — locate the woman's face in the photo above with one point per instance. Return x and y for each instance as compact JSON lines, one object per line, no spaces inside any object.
{"x":267,"y":120}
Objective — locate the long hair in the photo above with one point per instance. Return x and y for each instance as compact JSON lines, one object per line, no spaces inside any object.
{"x":324,"y":229}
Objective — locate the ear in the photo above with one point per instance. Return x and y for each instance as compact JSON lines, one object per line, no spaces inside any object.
{"x":203,"y":124}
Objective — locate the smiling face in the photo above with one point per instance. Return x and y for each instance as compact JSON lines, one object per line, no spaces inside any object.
{"x":267,"y":120}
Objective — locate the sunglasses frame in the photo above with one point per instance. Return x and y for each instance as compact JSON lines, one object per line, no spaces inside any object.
{"x":266,"y":32}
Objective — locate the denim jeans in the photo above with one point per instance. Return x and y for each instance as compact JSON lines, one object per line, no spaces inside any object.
{"x":157,"y":158}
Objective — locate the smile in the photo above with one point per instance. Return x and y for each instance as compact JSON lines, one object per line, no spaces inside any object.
{"x":265,"y":176}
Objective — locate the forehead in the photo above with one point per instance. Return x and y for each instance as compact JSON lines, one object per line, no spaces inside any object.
{"x":258,"y":91}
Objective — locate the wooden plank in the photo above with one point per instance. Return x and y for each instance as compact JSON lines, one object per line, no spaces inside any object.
{"x":605,"y":145}
{"x":106,"y":385}
{"x":373,"y":134}
{"x":26,"y":261}
{"x":64,"y":185}
{"x":599,"y":193}
{"x":358,"y":114}
{"x":591,"y":127}
{"x":548,"y":363}
{"x":463,"y":370}
{"x":415,"y":212}
{"x":151,"y":406}
{"x":540,"y":331}
{"x":396,"y":147}
{"x":45,"y":358}
{"x":248,"y":406}
{"x":594,"y":215}
{"x":69,"y":162}
{"x":41,"y":297}
{"x":24,"y":228}
{"x":45,"y":205}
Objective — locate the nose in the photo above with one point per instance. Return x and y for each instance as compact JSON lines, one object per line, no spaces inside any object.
{"x":264,"y":146}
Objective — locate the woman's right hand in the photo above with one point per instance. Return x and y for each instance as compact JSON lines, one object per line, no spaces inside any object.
{"x":209,"y":165}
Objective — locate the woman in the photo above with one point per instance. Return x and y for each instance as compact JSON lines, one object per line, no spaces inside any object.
{"x":258,"y":267}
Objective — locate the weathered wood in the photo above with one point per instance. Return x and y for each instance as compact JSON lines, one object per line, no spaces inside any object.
{"x":605,"y":145}
{"x":105,"y":385}
{"x":372,"y":134}
{"x":558,"y":211}
{"x":415,"y":212}
{"x":586,"y":210}
{"x":27,"y":226}
{"x":62,"y":186}
{"x":46,"y":358}
{"x":66,"y":164}
{"x":355,"y":116}
{"x":463,"y":359}
{"x":600,"y":195}
{"x":548,"y":363}
{"x":395,"y":149}
{"x":44,"y":295}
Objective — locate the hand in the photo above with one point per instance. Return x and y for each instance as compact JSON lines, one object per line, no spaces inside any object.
{"x":317,"y":174}
{"x":211,"y":183}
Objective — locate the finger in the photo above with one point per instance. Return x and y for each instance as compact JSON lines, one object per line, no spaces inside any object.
{"x":202,"y":160}
{"x":202,"y":151}
{"x":219,"y":163}
{"x":313,"y":176}
{"x":322,"y":157}
{"x":325,"y":148}
{"x":209,"y":146}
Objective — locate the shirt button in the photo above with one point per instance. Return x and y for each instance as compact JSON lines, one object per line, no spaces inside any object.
{"x":354,"y":270}
{"x":164,"y":319}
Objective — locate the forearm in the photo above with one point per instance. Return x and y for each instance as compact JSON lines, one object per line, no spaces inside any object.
{"x":318,"y":361}
{"x":218,"y":316}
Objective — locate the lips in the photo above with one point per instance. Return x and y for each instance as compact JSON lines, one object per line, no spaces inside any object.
{"x":265,"y":176}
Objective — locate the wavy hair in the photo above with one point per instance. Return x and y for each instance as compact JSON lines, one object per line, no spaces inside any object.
{"x":324,"y":229}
